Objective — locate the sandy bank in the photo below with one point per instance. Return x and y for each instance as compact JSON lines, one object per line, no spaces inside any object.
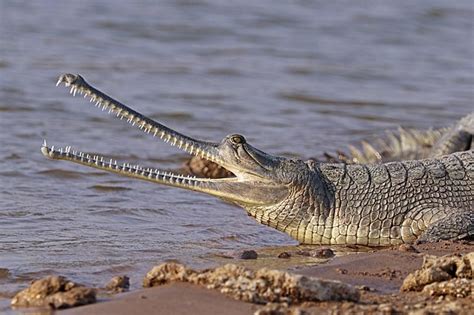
{"x":379,"y":275}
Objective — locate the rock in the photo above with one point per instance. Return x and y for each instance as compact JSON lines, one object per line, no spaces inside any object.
{"x":323,"y":253}
{"x":459,"y":288}
{"x":118,"y":284}
{"x":408,"y":248}
{"x":416,"y":281}
{"x":469,"y":260}
{"x":166,"y":273}
{"x":437,"y":269}
{"x":55,"y":292}
{"x":365,"y":288}
{"x":284,"y":255}
{"x":75,"y":297}
{"x":279,"y":309}
{"x":261,"y":286}
{"x":247,"y":254}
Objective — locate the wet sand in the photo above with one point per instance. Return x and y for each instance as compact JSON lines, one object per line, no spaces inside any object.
{"x":379,"y":274}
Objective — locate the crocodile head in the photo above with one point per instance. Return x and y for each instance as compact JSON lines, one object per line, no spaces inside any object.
{"x":260,"y":179}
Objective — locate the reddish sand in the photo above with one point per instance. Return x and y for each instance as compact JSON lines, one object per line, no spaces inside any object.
{"x":380,"y":272}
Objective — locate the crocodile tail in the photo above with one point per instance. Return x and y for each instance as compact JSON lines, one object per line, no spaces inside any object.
{"x":459,"y":138}
{"x":403,"y":144}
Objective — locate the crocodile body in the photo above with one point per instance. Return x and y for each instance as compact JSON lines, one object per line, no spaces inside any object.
{"x":314,"y":202}
{"x":377,"y":204}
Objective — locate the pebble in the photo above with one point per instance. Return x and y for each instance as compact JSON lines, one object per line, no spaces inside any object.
{"x":248,"y":254}
{"x":342,"y":271}
{"x":408,"y":248}
{"x":323,"y":253}
{"x":284,"y":255}
{"x":118,"y":284}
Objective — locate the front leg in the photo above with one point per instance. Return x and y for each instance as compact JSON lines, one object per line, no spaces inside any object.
{"x":458,"y":225}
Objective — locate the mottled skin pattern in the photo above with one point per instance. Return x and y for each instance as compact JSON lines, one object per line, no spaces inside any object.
{"x":378,"y":204}
{"x":316,"y":203}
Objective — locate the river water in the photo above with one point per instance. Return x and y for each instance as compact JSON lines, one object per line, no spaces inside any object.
{"x":296,"y":78}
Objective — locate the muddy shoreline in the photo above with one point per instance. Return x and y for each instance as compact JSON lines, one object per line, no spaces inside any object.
{"x":377,"y":273}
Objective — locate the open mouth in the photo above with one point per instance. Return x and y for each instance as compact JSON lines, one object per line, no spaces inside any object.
{"x":205,"y":150}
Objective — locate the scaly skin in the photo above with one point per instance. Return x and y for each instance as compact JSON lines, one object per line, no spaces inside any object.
{"x":316,"y":203}
{"x":375,"y":204}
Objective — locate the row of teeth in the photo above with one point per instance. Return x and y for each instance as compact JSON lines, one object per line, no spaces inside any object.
{"x":112,"y":164}
{"x":143,"y":125}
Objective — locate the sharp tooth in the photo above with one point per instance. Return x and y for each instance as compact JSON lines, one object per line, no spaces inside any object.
{"x":44,"y":143}
{"x":59,"y":80}
{"x":52,"y":148}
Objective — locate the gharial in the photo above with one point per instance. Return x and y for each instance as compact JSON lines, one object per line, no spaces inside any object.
{"x":314,"y":202}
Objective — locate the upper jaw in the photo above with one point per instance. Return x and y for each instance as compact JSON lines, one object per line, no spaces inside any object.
{"x":204,"y":149}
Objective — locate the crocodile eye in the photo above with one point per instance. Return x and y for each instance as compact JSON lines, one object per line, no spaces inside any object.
{"x":237,"y":139}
